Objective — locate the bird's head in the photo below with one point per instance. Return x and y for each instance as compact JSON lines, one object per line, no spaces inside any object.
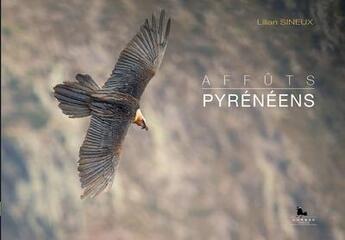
{"x":140,"y":120}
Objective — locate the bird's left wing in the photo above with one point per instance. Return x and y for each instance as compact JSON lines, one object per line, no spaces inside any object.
{"x":100,"y":152}
{"x":140,"y":60}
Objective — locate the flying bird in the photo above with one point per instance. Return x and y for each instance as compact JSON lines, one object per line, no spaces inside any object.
{"x":115,"y":106}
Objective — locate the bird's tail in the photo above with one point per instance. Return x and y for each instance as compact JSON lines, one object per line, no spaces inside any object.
{"x":75,"y":97}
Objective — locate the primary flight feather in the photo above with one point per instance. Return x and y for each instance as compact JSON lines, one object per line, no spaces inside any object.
{"x":114,"y":106}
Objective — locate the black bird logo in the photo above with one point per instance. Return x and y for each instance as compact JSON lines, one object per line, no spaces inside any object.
{"x":300,"y":212}
{"x":114,"y":106}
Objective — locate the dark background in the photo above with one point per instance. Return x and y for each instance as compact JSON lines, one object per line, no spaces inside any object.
{"x":213,"y":173}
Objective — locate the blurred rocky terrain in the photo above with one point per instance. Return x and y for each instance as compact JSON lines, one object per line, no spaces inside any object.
{"x":199,"y":173}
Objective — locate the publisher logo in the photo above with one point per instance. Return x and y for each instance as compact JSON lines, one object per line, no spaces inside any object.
{"x":302,"y":218}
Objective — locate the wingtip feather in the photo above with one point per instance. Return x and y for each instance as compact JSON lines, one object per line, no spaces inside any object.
{"x":167,"y":30}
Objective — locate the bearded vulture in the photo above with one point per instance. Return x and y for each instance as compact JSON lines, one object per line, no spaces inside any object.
{"x":114,"y":106}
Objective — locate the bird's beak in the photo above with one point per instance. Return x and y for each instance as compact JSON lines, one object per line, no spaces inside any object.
{"x":144,"y":125}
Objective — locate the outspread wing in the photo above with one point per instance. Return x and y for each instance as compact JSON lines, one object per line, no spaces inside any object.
{"x":140,"y":60}
{"x":99,"y":154}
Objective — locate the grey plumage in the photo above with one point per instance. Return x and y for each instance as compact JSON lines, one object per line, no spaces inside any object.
{"x":112,"y":107}
{"x":140,"y":60}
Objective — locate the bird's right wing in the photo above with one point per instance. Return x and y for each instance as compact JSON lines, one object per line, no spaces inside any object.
{"x":99,"y":154}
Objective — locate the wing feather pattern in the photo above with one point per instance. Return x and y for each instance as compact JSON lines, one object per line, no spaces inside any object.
{"x":140,"y":60}
{"x":100,"y":152}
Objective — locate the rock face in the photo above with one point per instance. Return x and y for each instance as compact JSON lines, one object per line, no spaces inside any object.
{"x":199,"y":173}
